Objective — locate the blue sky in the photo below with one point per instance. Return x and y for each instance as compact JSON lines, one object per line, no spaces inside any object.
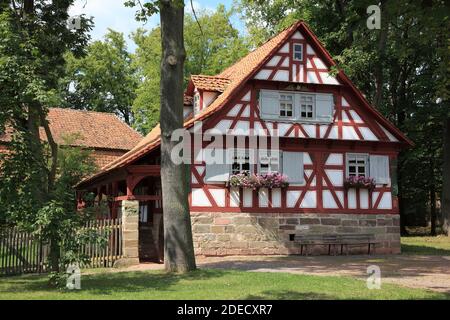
{"x":113,"y":14}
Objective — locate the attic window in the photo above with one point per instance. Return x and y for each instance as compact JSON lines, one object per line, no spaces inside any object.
{"x":298,"y":52}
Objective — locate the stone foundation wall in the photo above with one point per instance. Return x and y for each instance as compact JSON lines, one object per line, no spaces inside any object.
{"x":221,"y":234}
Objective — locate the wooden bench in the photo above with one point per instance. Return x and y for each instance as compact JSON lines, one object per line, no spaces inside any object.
{"x":308,"y":240}
{"x":334,"y":240}
{"x":357,"y":240}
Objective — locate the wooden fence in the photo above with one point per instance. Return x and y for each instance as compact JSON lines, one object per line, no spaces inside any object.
{"x":21,"y":252}
{"x":102,"y":256}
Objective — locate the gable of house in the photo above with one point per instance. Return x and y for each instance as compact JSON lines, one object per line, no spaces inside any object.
{"x":289,"y":87}
{"x":231,"y":106}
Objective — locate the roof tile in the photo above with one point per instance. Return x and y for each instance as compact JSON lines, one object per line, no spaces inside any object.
{"x":210,"y":83}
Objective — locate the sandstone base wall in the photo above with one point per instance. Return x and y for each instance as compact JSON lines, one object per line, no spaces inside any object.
{"x":222,"y":234}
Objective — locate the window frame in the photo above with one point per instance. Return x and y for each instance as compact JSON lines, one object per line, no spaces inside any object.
{"x":366,"y":157}
{"x":313,"y":107}
{"x":270,"y":155}
{"x":286,"y":102}
{"x":235,"y":156}
{"x":294,"y":45}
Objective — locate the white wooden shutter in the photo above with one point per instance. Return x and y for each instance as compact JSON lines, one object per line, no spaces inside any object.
{"x":218,"y":172}
{"x":379,"y":169}
{"x":293,"y":166}
{"x":324,"y":107}
{"x":269,"y":104}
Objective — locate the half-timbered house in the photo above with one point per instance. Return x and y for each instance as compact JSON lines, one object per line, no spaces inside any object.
{"x":328,"y":133}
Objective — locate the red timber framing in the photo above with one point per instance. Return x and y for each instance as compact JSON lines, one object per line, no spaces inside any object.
{"x":129,"y":179}
{"x":356,"y":127}
{"x":317,"y":143}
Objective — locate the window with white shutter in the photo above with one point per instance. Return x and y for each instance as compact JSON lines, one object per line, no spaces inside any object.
{"x":357,"y":165}
{"x":269,"y":104}
{"x":379,"y":169}
{"x":293,"y":167}
{"x":324,"y":107}
{"x":291,"y":106}
{"x":219,"y":171}
{"x":269,"y":161}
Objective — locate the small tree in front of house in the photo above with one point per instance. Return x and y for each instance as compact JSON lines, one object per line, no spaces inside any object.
{"x":59,"y":223}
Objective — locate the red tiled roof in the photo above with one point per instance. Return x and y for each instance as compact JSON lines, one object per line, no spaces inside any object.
{"x":210,"y":83}
{"x":86,"y":129}
{"x":238,"y":74}
{"x":90,"y":129}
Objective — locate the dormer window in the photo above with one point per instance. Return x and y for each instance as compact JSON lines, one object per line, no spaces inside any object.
{"x":298,"y":52}
{"x":286,"y":105}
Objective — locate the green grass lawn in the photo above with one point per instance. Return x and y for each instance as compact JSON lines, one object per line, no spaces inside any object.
{"x":426,"y":245}
{"x":207,"y":284}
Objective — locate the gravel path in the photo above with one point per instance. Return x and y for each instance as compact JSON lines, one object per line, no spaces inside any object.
{"x":427,"y":272}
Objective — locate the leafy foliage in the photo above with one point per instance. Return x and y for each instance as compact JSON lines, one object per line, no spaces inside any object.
{"x":104,"y":79}
{"x":34,"y":40}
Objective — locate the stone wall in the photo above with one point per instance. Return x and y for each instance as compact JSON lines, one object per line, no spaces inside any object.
{"x":220,"y":234}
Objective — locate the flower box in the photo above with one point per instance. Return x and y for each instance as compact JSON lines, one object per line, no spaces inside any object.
{"x":359,"y":182}
{"x":256,"y":181}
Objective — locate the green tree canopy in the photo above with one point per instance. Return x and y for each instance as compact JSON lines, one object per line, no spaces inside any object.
{"x":104,"y":79}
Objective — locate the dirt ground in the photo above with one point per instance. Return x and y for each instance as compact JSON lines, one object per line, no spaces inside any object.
{"x":428,"y":272}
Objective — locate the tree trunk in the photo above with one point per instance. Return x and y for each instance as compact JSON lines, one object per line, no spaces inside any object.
{"x":55,"y":255}
{"x":53,"y":150}
{"x":445,"y":206}
{"x":178,"y":244}
{"x":433,"y":215}
{"x":379,"y":67}
{"x":401,"y":204}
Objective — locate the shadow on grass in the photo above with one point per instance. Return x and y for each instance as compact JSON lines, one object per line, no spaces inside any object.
{"x":109,"y":283}
{"x":424,"y":250}
{"x":289,"y":295}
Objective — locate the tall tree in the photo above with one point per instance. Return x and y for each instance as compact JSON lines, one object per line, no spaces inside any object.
{"x":34,"y":37}
{"x":104,"y":79}
{"x":209,"y":50}
{"x":178,"y":244}
{"x":446,"y":179}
